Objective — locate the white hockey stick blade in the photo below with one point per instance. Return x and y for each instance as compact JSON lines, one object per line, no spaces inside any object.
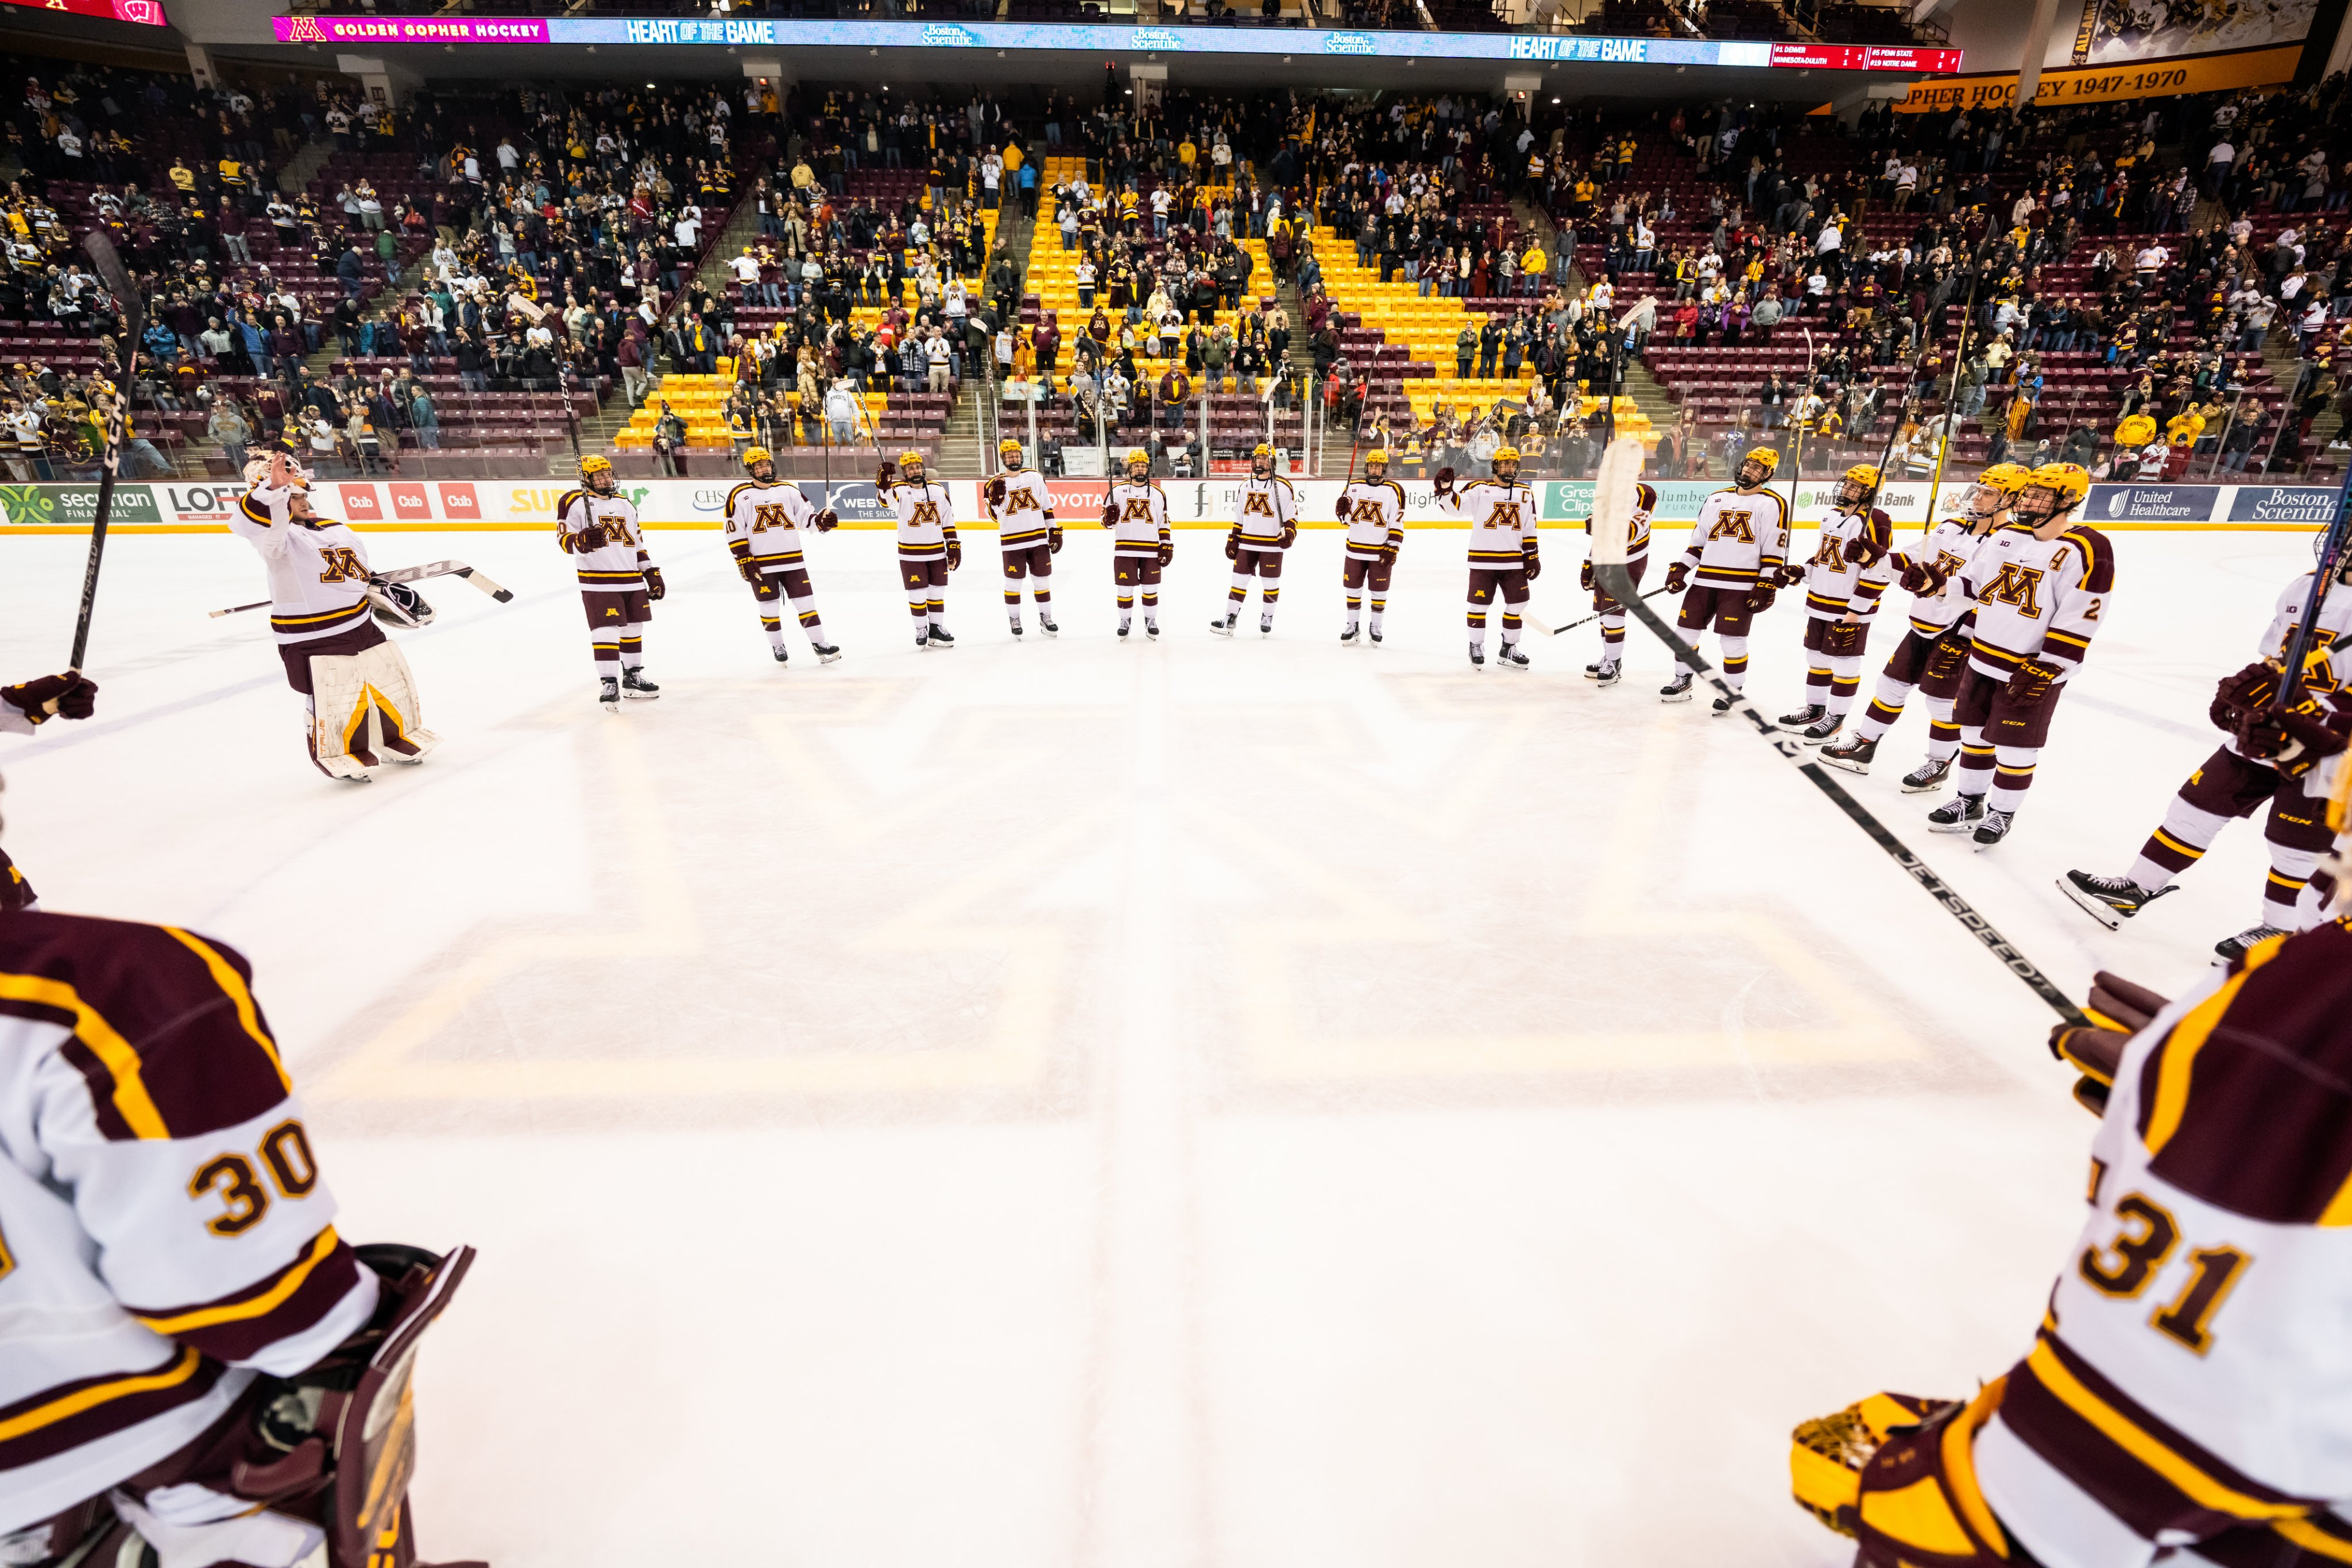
{"x":1614,"y":500}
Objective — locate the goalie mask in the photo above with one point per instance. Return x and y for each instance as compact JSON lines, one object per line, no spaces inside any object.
{"x":1858,"y":488}
{"x":398,"y":605}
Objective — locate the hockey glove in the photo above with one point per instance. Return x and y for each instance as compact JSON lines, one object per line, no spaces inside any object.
{"x":1761,"y":597}
{"x":1843,"y":639}
{"x":1443,"y":481}
{"x":1790,"y":574}
{"x":1945,"y":659}
{"x":655,"y":587}
{"x":1233,"y":546}
{"x":2294,"y":739}
{"x":827,"y":520}
{"x":1584,"y":577}
{"x":69,"y":696}
{"x":748,"y":569}
{"x":1110,"y":513}
{"x":1677,"y":577}
{"x":2118,"y":1009}
{"x":1923,"y":578}
{"x":1167,"y":551}
{"x":1289,"y":535}
{"x":590,"y":539}
{"x":996,"y":494}
{"x":1534,"y":567}
{"x":2031,"y":682}
{"x":885,"y":476}
{"x":1053,"y":539}
{"x":2243,"y":694}
{"x":955,"y":554}
{"x":1342,"y":509}
{"x":1865,"y":551}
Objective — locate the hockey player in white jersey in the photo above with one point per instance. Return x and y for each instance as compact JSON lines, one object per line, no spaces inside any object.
{"x":1266,"y":524}
{"x":1373,"y":510}
{"x":928,"y":547}
{"x":2041,"y":587}
{"x":764,"y":519}
{"x":24,"y":708}
{"x":598,"y":526}
{"x":2229,"y":784}
{"x":195,"y":1367}
{"x":1934,"y":651}
{"x":1135,"y":509}
{"x":360,"y":702}
{"x":1022,"y":510}
{"x":1607,"y":668}
{"x":1844,"y":580}
{"x":2186,"y":1397}
{"x":1504,"y":556}
{"x":1732,"y":569}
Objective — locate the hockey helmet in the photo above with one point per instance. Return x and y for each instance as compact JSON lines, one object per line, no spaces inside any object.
{"x":1378,"y":455}
{"x":910,"y":465}
{"x":755,"y":455}
{"x":1502,"y":454}
{"x":591,"y":468}
{"x":2067,"y":484}
{"x":1767,"y":459}
{"x":399,"y":606}
{"x":1859,"y":487}
{"x":1137,"y":456}
{"x":1009,"y":450}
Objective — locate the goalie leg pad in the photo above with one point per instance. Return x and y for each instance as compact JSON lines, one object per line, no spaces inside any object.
{"x":1899,"y":1473}
{"x":352,"y":693}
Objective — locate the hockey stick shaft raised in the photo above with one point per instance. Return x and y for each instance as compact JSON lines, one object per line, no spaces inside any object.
{"x":118,"y":427}
{"x":457,"y":569}
{"x":1620,"y":584}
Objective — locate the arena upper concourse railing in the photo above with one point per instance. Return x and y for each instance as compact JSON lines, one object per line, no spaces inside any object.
{"x":1113,"y":38}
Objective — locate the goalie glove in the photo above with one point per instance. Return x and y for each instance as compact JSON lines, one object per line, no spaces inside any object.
{"x":1443,"y":481}
{"x":1533,"y":565}
{"x":1761,"y":597}
{"x":1677,"y":577}
{"x":1234,"y":545}
{"x":69,"y":696}
{"x":2031,"y":681}
{"x":1053,"y":539}
{"x":827,"y":520}
{"x":748,"y":569}
{"x":955,"y":554}
{"x":655,"y":587}
{"x":1584,"y":577}
{"x":1167,"y":551}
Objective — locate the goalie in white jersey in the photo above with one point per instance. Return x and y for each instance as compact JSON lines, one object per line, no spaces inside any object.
{"x":764,"y":519}
{"x":1934,"y":651}
{"x":360,"y":703}
{"x":1135,"y":509}
{"x":1022,"y":510}
{"x":1266,"y":524}
{"x":2187,"y":1394}
{"x":1732,"y":569}
{"x":193,"y":1359}
{"x":1372,"y":511}
{"x":598,"y":526}
{"x":1503,"y":549}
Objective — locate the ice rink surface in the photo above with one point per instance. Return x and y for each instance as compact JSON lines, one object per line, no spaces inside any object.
{"x":1075,"y":1104}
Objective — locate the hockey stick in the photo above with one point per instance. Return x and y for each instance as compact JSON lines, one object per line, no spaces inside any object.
{"x":118,"y":427}
{"x":2333,"y":546}
{"x":1534,"y":625}
{"x":403,"y":574}
{"x":1611,"y":510}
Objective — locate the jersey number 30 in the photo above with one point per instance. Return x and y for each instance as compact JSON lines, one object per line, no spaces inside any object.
{"x":285,"y":1153}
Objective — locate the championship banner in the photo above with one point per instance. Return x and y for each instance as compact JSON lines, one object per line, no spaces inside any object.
{"x":397,"y":505}
{"x":2108,"y":84}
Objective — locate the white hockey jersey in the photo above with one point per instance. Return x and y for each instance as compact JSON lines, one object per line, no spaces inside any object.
{"x":1027,"y":514}
{"x":1263,"y":508}
{"x":2334,"y":620}
{"x":1502,"y":522}
{"x":164,"y":1230}
{"x":1140,"y":525}
{"x":1836,"y":582}
{"x":1637,"y":540}
{"x":1949,"y":547}
{"x":2037,"y":599}
{"x":1375,"y":518}
{"x":764,"y":523}
{"x":2193,"y":1377}
{"x":318,"y":568}
{"x":619,"y":563}
{"x":926,"y":518}
{"x":1740,"y":535}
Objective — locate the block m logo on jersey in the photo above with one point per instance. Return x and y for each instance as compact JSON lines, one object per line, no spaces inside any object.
{"x":1504,"y":515}
{"x":1830,"y":554}
{"x":1257,"y":504}
{"x":341,"y":564}
{"x":1136,"y":510}
{"x":926,"y":515}
{"x":1732,"y":526}
{"x":766,"y":515}
{"x":1019,"y":500}
{"x":2017,"y":585}
{"x":1366,"y":511}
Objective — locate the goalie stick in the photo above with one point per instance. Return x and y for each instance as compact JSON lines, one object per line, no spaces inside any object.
{"x":1612,"y":509}
{"x":405,"y":574}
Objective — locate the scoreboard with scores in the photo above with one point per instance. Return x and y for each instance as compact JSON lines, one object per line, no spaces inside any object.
{"x":147,"y":13}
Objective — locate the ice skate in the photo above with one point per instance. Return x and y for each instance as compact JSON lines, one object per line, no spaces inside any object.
{"x":1607,"y":675}
{"x":1723,"y":706}
{"x":1347,"y":638}
{"x":1678,"y":690}
{"x":2235,"y":947}
{"x":1993,"y":829}
{"x":609,"y":694}
{"x":1223,"y":626}
{"x":1266,"y":626}
{"x":941,"y":639}
{"x":1375,"y":637}
{"x":1824,"y":728}
{"x":1046,"y":627}
{"x":1508,"y":657}
{"x":1804,"y":718}
{"x":1959,"y":814}
{"x":922,"y":641}
{"x":1592,"y":671}
{"x":1152,"y":630}
{"x":1927,"y":776}
{"x":1477,"y":657}
{"x":826,"y":653}
{"x":2109,"y":900}
{"x":782,"y":656}
{"x":1016,"y":628}
{"x":1852,"y":755}
{"x":635,"y":685}
{"x":1122,"y":633}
